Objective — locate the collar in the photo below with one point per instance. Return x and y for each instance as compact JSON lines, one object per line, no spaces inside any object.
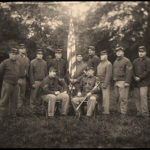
{"x":39,"y":59}
{"x":90,"y":77}
{"x":103,"y":61}
{"x":14,"y":61}
{"x":58,"y":59}
{"x":120,"y":58}
{"x":142,"y":58}
{"x":79,"y":62}
{"x":91,"y":56}
{"x":51,"y":78}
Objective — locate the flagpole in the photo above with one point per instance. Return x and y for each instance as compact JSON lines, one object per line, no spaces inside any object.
{"x":68,"y":56}
{"x":71,"y":54}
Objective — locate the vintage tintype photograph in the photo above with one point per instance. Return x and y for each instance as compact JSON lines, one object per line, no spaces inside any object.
{"x":75,"y":74}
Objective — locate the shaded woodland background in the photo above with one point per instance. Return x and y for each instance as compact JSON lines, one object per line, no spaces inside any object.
{"x":45,"y":25}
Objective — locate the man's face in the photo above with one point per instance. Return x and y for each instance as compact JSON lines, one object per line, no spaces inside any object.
{"x":103,"y":57}
{"x":58,"y":55}
{"x":12,"y":56}
{"x":79,"y":58}
{"x":119,"y":53}
{"x":142,"y":54}
{"x":39,"y":56}
{"x":91,"y":52}
{"x":52,"y":73}
{"x":22,"y":51}
{"x":90,"y":72}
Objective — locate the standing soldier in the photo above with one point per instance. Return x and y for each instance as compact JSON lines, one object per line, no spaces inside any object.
{"x":9,"y":73}
{"x":80,"y":69}
{"x":38,"y":71}
{"x":93,"y":59}
{"x":24,"y":63}
{"x":104,"y":74}
{"x":141,"y":74}
{"x":59,"y":64}
{"x":87,"y":83}
{"x":122,"y":73}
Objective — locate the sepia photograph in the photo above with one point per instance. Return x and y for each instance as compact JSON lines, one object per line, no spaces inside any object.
{"x":75,"y":74}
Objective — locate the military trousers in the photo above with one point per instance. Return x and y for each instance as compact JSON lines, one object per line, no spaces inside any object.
{"x":121,"y":94}
{"x":51,"y":99}
{"x":141,"y":100}
{"x":21,"y":92}
{"x":106,"y":99}
{"x":91,"y":103}
{"x":34,"y":100}
{"x":8,"y":101}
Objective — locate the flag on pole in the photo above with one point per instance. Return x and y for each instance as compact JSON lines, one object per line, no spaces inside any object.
{"x":71,"y":51}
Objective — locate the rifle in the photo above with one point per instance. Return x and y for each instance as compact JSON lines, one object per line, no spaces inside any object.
{"x":97,"y":84}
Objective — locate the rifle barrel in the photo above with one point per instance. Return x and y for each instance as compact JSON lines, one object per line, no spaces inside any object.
{"x":87,"y":96}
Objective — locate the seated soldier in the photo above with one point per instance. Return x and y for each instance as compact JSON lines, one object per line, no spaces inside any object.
{"x":87,"y":83}
{"x":53,"y":89}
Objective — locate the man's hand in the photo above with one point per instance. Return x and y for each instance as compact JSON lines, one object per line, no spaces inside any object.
{"x":33,"y":85}
{"x":104,"y":86}
{"x":137,"y":78}
{"x":19,"y":81}
{"x":73,"y":80}
{"x":65,"y":92}
{"x":126,"y":84}
{"x":88,"y":94}
{"x":57,"y":92}
{"x":79,"y":94}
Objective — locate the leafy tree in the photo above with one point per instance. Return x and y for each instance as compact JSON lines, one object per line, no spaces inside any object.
{"x":117,"y":23}
{"x":38,"y":25}
{"x":45,"y":25}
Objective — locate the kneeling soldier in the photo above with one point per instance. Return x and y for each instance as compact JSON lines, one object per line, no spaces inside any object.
{"x":85,"y":89}
{"x":54,"y":89}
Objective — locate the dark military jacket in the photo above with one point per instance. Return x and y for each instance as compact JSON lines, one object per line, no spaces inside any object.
{"x":24,"y":64}
{"x":38,"y":70}
{"x":141,"y":69}
{"x":9,"y":71}
{"x":80,"y":68}
{"x":93,"y":61}
{"x":122,"y":70}
{"x":51,"y":85}
{"x":87,"y":84}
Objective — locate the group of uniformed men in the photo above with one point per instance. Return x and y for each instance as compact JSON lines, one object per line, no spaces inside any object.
{"x":50,"y":83}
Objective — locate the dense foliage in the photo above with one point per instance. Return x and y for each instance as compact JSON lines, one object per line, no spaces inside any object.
{"x":45,"y":25}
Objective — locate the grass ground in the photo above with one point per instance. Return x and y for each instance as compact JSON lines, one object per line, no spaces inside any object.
{"x":68,"y":132}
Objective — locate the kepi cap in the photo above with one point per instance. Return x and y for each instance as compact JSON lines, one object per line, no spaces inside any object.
{"x":142,"y":49}
{"x":119,"y":48}
{"x":92,"y":48}
{"x":52,"y":69}
{"x":103,"y":52}
{"x":79,"y":53}
{"x":59,"y":50}
{"x":39,"y":51}
{"x":21,"y":45}
{"x":13,"y":50}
